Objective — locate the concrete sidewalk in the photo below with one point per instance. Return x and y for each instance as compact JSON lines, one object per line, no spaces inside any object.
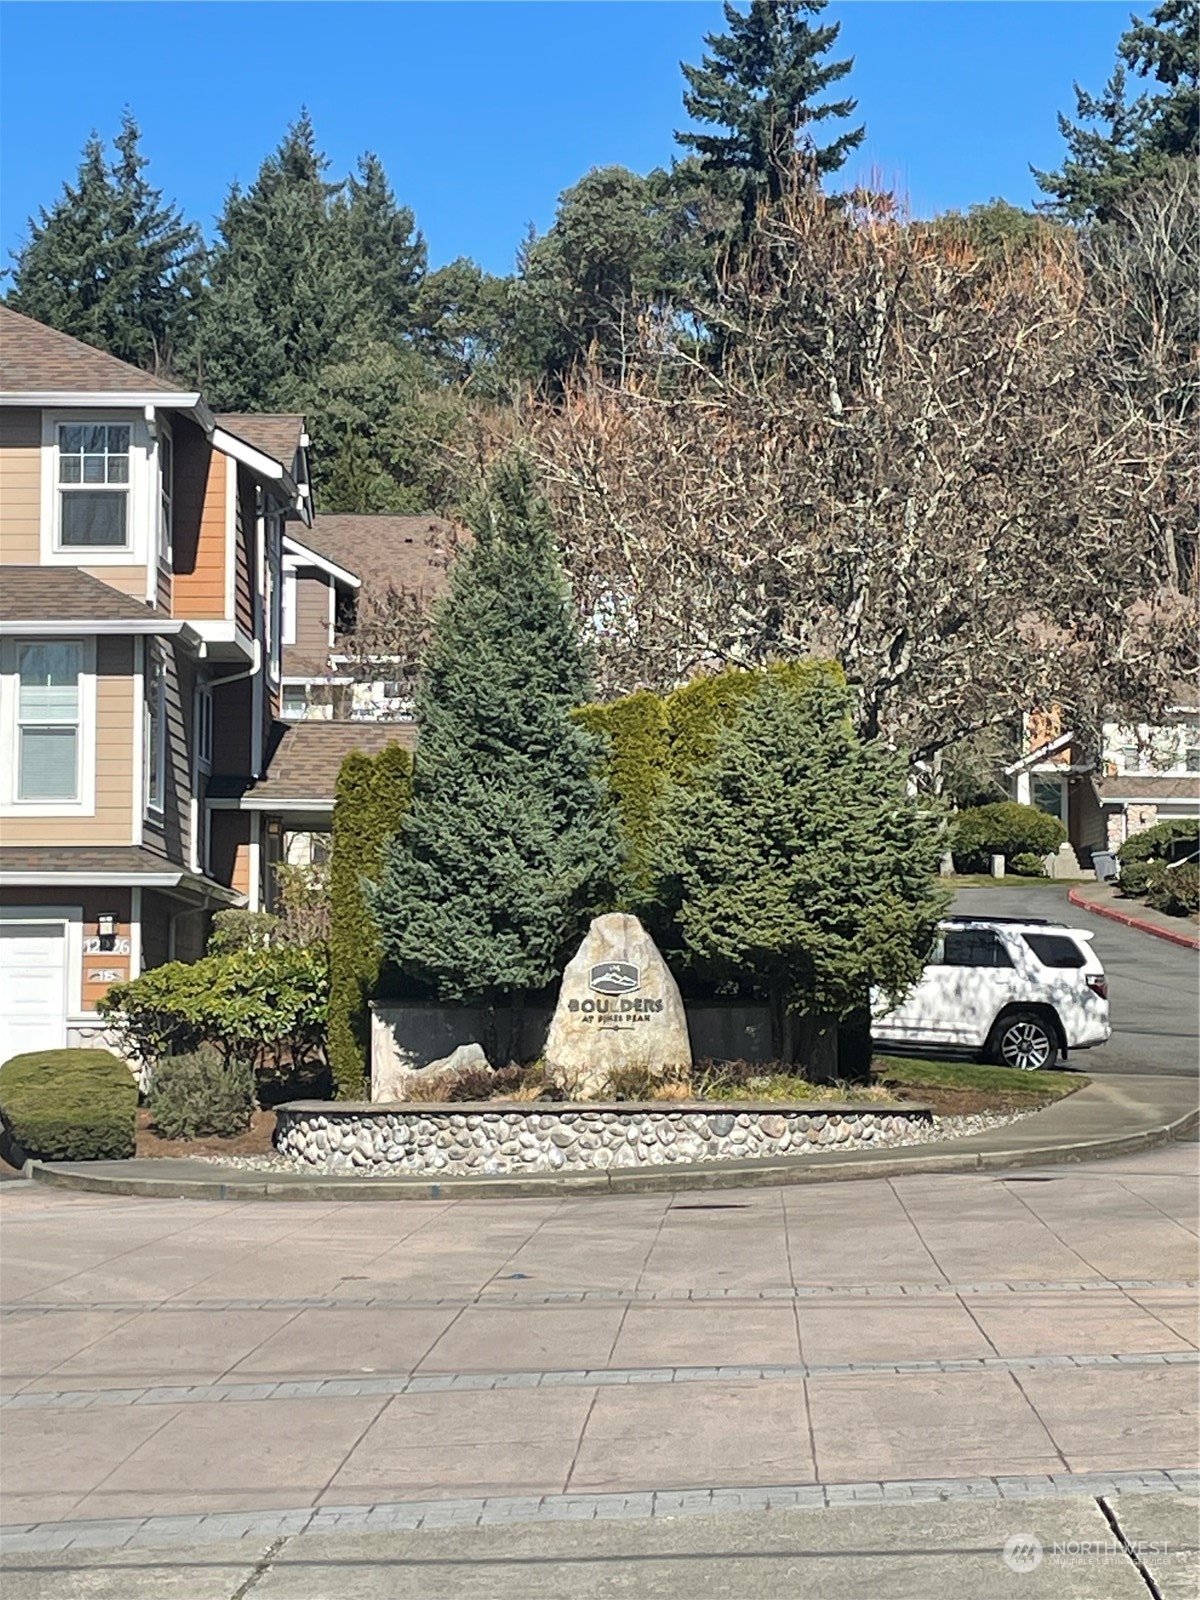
{"x":1104,"y":901}
{"x":1113,"y":1116}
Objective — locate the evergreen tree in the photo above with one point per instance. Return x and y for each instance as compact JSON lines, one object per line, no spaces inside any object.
{"x":1119,"y":143}
{"x":510,"y":844}
{"x":761,"y":82}
{"x":110,"y":263}
{"x":796,"y":855}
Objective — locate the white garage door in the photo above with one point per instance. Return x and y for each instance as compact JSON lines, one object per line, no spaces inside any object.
{"x":33,"y":987}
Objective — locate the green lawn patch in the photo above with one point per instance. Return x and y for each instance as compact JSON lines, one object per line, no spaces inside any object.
{"x":972,"y":1075}
{"x":1011,"y":880}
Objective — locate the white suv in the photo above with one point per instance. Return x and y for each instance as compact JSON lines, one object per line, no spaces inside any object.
{"x":1020,"y":992}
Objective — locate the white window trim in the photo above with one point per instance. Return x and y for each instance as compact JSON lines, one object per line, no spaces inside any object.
{"x":70,"y":920}
{"x":141,"y":521}
{"x":155,"y":809}
{"x":202,"y":696}
{"x":289,"y":603}
{"x":164,"y":537}
{"x":10,"y":804}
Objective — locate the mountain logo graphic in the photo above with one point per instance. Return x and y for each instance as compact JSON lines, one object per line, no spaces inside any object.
{"x":615,"y":977}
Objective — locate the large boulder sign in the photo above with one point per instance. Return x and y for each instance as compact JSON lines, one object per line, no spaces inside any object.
{"x":619,"y":1006}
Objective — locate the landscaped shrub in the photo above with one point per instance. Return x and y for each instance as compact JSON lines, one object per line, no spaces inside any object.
{"x":202,"y":1095}
{"x":264,"y":1006}
{"x":1176,"y":890}
{"x":1138,"y":877}
{"x":1165,"y":842}
{"x":69,"y":1105}
{"x":372,"y":795}
{"x":637,"y":751}
{"x":1006,"y":829}
{"x":1028,"y":866}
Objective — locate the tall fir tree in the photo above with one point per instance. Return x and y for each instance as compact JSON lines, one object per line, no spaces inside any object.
{"x":796,"y":854}
{"x":762,"y":82}
{"x":510,"y":844}
{"x":1121,"y":141}
{"x":110,"y":262}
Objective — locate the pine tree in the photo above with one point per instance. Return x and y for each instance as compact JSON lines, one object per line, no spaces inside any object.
{"x":1120,"y":143}
{"x":510,"y":844}
{"x":110,"y":263}
{"x":761,"y":82}
{"x":797,"y":856}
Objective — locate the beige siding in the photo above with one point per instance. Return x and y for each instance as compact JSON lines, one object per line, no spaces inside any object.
{"x":130,"y":580}
{"x":112,"y":822}
{"x":20,"y":488}
{"x":312,"y":613}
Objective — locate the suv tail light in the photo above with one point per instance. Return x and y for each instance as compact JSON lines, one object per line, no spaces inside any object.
{"x":1098,"y":984}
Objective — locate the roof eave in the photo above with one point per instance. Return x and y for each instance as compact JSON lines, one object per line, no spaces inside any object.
{"x":168,"y":400}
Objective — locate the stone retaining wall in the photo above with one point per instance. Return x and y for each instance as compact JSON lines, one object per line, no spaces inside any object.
{"x":542,"y":1136}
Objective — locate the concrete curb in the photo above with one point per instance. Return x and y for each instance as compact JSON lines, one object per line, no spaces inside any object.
{"x":1140,"y":923}
{"x":850,"y":1167}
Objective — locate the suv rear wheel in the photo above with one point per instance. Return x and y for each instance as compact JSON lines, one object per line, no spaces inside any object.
{"x":1024,"y":1039}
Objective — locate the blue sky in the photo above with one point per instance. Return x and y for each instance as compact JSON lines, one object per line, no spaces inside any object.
{"x":483,"y":113}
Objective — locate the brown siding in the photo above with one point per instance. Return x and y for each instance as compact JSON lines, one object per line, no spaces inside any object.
{"x":171,"y":833}
{"x":312,"y":613}
{"x":231,"y":849}
{"x":93,"y":901}
{"x":156,"y":929}
{"x":198,"y":588}
{"x":20,"y":487}
{"x":113,"y":819}
{"x":243,"y":560}
{"x":231,"y":727}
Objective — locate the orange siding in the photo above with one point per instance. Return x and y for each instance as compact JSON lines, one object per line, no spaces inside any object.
{"x":243,"y":556}
{"x":200,"y":512}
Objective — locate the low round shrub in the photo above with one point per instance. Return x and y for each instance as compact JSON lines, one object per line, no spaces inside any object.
{"x":1139,"y":877}
{"x":201,"y":1095}
{"x":69,"y":1105}
{"x":1005,"y":829}
{"x":1028,"y":866}
{"x":1176,"y":890}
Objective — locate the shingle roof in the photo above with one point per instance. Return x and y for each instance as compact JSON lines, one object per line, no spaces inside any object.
{"x":306,"y":756}
{"x":411,"y":554}
{"x":63,"y":594}
{"x":35,"y":359}
{"x":276,"y":433}
{"x":123,"y":863}
{"x":1134,"y":786}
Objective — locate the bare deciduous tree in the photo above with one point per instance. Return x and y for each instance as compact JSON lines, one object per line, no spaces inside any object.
{"x":911,"y":455}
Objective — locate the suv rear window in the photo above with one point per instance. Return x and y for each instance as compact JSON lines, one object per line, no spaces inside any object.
{"x":974,"y":947}
{"x":1055,"y":950}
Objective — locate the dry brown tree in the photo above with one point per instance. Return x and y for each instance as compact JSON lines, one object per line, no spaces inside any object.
{"x":898,"y":450}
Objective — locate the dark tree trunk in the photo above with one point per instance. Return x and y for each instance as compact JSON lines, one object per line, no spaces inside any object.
{"x":490,"y":1040}
{"x":818,"y":1048}
{"x":854,"y":1046}
{"x":516,"y":1027}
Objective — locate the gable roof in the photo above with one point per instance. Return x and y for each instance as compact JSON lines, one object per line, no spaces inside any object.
{"x":276,"y":433}
{"x":410,"y":554}
{"x":35,"y":359}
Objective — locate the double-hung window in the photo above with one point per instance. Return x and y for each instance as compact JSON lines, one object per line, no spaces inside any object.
{"x":156,"y":726}
{"x":93,"y":485}
{"x":48,"y":720}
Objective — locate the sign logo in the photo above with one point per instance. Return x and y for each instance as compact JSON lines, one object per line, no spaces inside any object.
{"x":1023,"y":1552}
{"x":615,"y":977}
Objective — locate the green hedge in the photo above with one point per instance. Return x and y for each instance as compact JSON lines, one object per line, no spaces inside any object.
{"x":69,"y":1105}
{"x":1176,"y":890}
{"x":1005,"y":829}
{"x":373,"y":793}
{"x":1155,"y":844}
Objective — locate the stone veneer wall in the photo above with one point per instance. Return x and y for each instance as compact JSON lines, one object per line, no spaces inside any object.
{"x":450,"y":1140}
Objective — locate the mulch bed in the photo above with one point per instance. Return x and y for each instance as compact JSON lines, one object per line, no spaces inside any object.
{"x":945,"y":1102}
{"x":256,"y":1141}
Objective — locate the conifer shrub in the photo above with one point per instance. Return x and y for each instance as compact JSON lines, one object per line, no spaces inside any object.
{"x":68,"y":1105}
{"x":373,"y":793}
{"x":202,"y":1095}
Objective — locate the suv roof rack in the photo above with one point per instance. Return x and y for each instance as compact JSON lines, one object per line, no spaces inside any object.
{"x":1006,"y":922}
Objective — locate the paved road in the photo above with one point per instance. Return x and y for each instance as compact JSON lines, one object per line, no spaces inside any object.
{"x":306,"y":1379}
{"x":1154,"y":986}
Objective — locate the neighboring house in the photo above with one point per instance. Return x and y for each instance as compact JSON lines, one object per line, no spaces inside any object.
{"x":356,"y":592}
{"x":1140,"y":776}
{"x":140,"y":658}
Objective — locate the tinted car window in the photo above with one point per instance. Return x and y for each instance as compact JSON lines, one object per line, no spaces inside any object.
{"x":1054,"y":950}
{"x":974,"y":947}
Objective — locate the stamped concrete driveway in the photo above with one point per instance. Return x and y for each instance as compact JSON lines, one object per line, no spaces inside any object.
{"x":1154,"y":986}
{"x":167,"y":1358}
